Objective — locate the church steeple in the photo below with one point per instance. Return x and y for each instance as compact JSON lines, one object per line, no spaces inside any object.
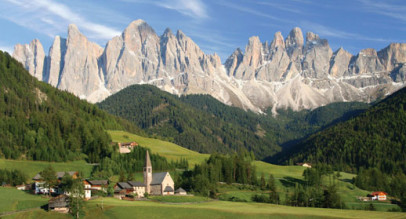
{"x":147,"y":173}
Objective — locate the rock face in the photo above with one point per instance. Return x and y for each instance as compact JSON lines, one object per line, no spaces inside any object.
{"x":291,"y":72}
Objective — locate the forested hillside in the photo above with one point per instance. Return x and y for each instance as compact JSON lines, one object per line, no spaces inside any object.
{"x":39,"y":122}
{"x":201,"y":123}
{"x":375,"y":138}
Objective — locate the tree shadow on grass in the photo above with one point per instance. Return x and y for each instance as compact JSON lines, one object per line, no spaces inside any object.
{"x":288,"y":181}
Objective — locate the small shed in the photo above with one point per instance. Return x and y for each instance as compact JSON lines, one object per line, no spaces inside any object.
{"x":59,"y":204}
{"x":180,"y":191}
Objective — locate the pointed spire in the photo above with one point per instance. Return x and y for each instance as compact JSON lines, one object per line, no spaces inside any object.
{"x":147,"y":160}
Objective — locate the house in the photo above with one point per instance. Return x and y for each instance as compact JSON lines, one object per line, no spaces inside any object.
{"x":94,"y":185}
{"x":125,"y":148}
{"x":121,"y":189}
{"x":308,"y":165}
{"x":380,"y":196}
{"x":39,"y":182}
{"x":138,"y":188}
{"x":59,"y":204}
{"x":180,"y":191}
{"x":157,"y":183}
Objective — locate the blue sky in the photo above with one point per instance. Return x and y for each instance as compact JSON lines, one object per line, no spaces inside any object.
{"x":215,"y":25}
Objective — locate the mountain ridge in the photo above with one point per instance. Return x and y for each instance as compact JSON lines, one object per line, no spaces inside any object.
{"x":295,"y":72}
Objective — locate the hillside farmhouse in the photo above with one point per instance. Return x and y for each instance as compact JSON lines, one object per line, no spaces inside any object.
{"x":308,"y":165}
{"x":380,"y":196}
{"x":125,"y":148}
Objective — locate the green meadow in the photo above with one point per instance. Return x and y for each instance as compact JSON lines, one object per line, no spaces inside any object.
{"x":12,"y":199}
{"x":114,"y":208}
{"x":31,"y":168}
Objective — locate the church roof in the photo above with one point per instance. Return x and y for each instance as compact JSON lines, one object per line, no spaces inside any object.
{"x":136,"y":184}
{"x":147,"y":160}
{"x":158,"y":178}
{"x":168,"y":189}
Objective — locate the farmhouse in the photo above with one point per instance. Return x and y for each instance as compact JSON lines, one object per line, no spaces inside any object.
{"x":39,"y":182}
{"x":59,"y":204}
{"x":380,"y":196}
{"x":157,"y":183}
{"x":125,"y":148}
{"x":94,"y":185}
{"x":308,"y":165}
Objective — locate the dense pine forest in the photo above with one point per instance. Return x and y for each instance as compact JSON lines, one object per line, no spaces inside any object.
{"x":375,"y":138}
{"x":202,"y":123}
{"x":39,"y":122}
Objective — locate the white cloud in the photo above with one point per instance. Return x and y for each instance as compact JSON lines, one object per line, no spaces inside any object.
{"x":51,"y":18}
{"x":192,"y":8}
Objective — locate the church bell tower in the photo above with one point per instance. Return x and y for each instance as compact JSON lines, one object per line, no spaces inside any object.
{"x":147,"y":173}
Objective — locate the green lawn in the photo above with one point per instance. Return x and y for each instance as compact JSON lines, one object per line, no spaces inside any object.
{"x":169,"y":150}
{"x":114,"y":208}
{"x":179,"y":199}
{"x":12,"y":199}
{"x":31,"y":168}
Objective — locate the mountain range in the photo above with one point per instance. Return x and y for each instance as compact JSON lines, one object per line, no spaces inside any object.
{"x":292,"y":72}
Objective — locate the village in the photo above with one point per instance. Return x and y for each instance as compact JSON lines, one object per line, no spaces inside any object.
{"x":154,"y":184}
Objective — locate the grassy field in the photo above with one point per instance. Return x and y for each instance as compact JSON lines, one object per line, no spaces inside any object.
{"x":169,"y":150}
{"x":114,"y":208}
{"x":12,"y":199}
{"x":31,"y":168}
{"x":179,"y":199}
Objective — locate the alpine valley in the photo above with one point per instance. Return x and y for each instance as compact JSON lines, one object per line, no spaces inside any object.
{"x":292,"y":72}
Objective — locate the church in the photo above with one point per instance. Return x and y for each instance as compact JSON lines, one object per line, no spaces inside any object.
{"x":157,"y":183}
{"x":154,"y":183}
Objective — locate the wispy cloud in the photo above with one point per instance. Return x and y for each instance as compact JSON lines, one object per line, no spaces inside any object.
{"x":281,"y":6}
{"x":248,"y":10}
{"x":192,"y":8}
{"x":396,"y":11}
{"x":332,"y":32}
{"x":49,"y":17}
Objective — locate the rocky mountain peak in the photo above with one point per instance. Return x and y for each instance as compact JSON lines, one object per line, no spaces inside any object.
{"x":284,"y":73}
{"x":278,"y":41}
{"x":32,"y":56}
{"x":295,"y":38}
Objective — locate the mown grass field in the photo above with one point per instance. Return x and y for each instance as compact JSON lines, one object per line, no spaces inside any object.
{"x":114,"y":208}
{"x":169,"y":150}
{"x":31,"y":168}
{"x":12,"y":199}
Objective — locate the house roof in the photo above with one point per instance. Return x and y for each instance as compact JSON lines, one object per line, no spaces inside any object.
{"x":180,"y":190}
{"x":59,"y":201}
{"x":147,"y":160}
{"x":158,"y":178}
{"x":59,"y":175}
{"x":98,"y":182}
{"x":124,"y":185}
{"x":168,"y":189}
{"x":136,"y":184}
{"x":379,"y":193}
